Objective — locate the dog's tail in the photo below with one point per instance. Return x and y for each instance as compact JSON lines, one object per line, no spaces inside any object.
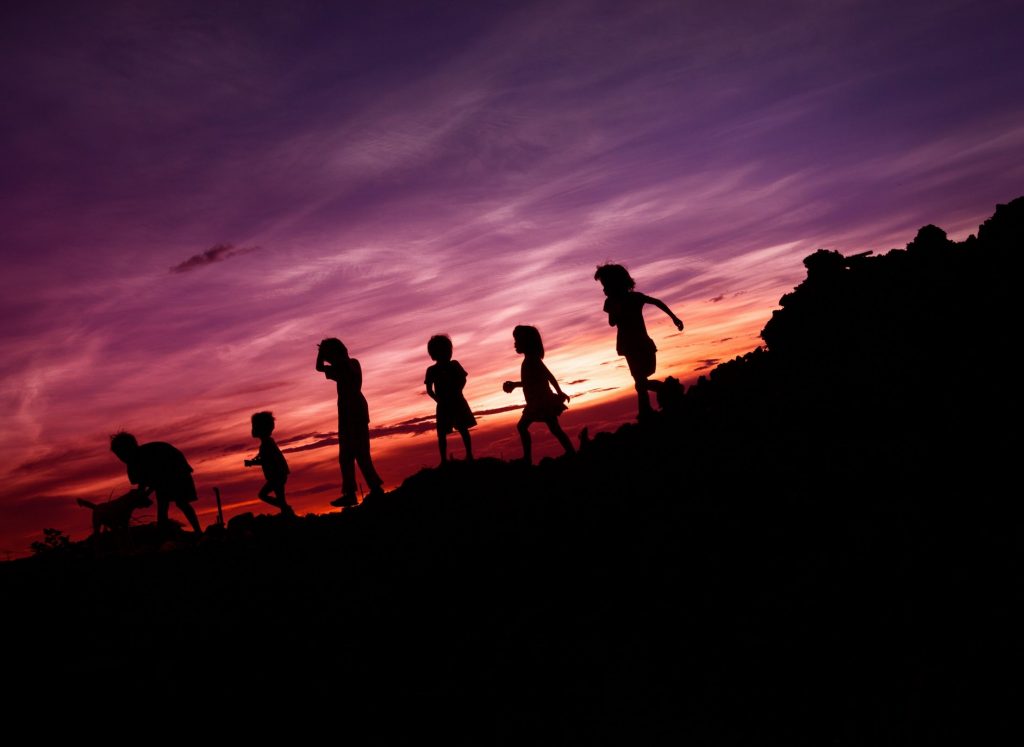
{"x":84,"y":503}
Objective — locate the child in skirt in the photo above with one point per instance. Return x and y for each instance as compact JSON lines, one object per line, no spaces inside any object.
{"x":542,"y":404}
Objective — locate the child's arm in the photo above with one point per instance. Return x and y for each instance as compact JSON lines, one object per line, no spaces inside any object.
{"x":661,"y":305}
{"x":612,"y":319}
{"x":508,"y":386}
{"x":356,"y":374}
{"x":139,"y":480}
{"x":430,"y":388}
{"x":554,"y":383}
{"x":254,"y":462}
{"x":321,"y":365}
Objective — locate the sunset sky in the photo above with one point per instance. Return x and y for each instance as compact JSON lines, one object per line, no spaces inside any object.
{"x":194,"y":194}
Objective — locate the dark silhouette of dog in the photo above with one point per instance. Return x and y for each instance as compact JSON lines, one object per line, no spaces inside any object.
{"x":116,"y":514}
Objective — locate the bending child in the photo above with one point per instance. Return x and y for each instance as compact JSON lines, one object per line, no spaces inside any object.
{"x":159,"y":467}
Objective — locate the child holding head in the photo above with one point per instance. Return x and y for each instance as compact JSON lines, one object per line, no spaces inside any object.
{"x":270,"y":458}
{"x":445,"y":381}
{"x":333,"y":361}
{"x":625,"y":308}
{"x":542,"y":404}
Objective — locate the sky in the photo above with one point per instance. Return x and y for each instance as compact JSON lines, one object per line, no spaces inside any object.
{"x":192,"y":195}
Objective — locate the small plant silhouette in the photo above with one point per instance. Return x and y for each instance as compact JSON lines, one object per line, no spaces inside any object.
{"x":53,"y":539}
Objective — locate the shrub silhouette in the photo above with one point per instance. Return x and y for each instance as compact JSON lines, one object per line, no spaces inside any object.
{"x":53,"y":539}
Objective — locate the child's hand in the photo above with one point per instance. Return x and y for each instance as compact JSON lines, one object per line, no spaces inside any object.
{"x":563,"y":396}
{"x":679,"y":324}
{"x":508,"y":386}
{"x":247,"y":462}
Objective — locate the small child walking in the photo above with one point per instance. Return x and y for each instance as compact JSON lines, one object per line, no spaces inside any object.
{"x":445,"y":381}
{"x":542,"y":404}
{"x":270,"y":458}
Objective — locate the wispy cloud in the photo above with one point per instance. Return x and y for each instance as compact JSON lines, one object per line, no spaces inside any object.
{"x":213,"y":255}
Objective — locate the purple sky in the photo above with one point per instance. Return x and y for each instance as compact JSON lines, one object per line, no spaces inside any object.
{"x":194,"y":194}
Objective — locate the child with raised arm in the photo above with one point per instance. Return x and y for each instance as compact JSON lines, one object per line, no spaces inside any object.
{"x":353,"y":420}
{"x":270,"y":458}
{"x":542,"y":404}
{"x":445,"y":381}
{"x":625,"y":309}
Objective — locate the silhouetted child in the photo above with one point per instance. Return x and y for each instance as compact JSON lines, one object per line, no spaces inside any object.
{"x":270,"y":458}
{"x":445,"y":381}
{"x":625,"y":309}
{"x":542,"y":404}
{"x":159,"y":467}
{"x":353,"y":419}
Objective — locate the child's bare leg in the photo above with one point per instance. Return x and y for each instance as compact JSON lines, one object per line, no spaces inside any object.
{"x":347,"y":459}
{"x":264,"y":495}
{"x":557,"y":432}
{"x":464,"y":432}
{"x":190,"y":513}
{"x":281,"y":502}
{"x":442,"y":445}
{"x":644,"y":401}
{"x":369,"y":473}
{"x":524,"y":435}
{"x":277,"y":501}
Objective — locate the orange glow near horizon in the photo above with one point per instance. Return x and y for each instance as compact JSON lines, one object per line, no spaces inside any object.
{"x":591,"y":372}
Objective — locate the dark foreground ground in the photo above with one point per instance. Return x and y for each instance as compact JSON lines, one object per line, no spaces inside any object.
{"x":550,"y":608}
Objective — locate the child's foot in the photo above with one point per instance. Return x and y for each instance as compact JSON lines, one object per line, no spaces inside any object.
{"x":377,"y":492}
{"x":347,"y":499}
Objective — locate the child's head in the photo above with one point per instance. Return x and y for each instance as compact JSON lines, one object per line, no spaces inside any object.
{"x":124,"y":445}
{"x":528,"y":341}
{"x":333,"y":349}
{"x":262,"y":424}
{"x":439,"y":347}
{"x":615,"y":279}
